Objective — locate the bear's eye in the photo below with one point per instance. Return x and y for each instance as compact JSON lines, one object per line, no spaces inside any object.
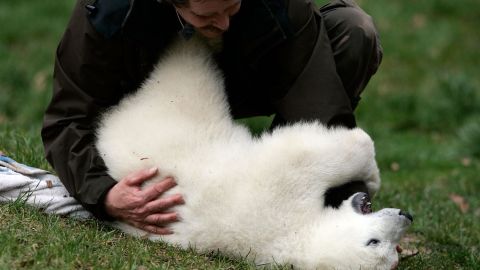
{"x":373,"y":242}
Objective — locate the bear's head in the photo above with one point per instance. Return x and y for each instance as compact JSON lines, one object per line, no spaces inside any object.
{"x":353,"y":237}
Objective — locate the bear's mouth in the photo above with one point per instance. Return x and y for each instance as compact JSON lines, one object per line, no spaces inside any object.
{"x":335,"y":196}
{"x":362,"y":204}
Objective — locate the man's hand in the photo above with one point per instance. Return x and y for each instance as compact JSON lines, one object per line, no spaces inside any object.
{"x":126,"y":201}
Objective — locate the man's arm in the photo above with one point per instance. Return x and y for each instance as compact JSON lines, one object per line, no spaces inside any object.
{"x":88,"y":73}
{"x":83,"y":88}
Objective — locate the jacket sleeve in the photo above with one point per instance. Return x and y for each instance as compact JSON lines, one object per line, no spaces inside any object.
{"x":87,"y":78}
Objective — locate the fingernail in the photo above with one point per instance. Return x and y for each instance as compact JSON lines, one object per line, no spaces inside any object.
{"x":180,"y":199}
{"x":153,"y":170}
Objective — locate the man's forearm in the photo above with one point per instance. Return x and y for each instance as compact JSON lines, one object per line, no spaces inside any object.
{"x":71,"y":152}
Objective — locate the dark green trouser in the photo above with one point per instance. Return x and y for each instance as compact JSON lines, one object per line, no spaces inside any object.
{"x":357,"y":54}
{"x":355,"y":45}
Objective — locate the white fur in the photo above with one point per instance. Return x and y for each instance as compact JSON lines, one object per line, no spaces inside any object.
{"x":244,"y":195}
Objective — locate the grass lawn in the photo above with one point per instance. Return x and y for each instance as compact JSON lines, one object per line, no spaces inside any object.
{"x":422,"y":109}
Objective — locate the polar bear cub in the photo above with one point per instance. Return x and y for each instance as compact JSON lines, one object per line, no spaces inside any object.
{"x":261,"y":197}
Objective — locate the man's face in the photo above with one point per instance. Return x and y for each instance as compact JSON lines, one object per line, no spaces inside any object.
{"x":211,"y":18}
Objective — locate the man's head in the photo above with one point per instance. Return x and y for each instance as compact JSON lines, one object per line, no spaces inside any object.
{"x":210,"y":18}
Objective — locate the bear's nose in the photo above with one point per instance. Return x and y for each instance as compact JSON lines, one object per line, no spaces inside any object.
{"x":406,"y":214}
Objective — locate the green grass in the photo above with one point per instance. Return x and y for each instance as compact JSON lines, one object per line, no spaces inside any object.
{"x":422,"y":109}
{"x":32,"y":240}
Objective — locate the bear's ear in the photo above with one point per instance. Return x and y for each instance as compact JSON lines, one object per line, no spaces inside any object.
{"x":335,"y":196}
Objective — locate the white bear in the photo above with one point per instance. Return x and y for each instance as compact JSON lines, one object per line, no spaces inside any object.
{"x":262,"y":198}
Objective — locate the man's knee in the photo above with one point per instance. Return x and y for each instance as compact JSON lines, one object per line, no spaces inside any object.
{"x":361,"y":29}
{"x":355,"y":44}
{"x":350,"y":22}
{"x":357,"y":21}
{"x":364,"y":37}
{"x":348,"y":16}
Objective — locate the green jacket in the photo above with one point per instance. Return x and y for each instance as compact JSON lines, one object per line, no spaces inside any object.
{"x":276,"y":59}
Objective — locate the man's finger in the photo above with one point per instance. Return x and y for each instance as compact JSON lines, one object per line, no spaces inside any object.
{"x":161,"y":204}
{"x":152,"y":228}
{"x":138,"y":177}
{"x":155,"y":190}
{"x":161,"y":219}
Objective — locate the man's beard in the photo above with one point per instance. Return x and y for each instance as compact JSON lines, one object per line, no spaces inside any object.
{"x":213,"y":29}
{"x":215,"y":44}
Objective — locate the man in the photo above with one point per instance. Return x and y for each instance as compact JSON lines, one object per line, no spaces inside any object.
{"x":279,"y":57}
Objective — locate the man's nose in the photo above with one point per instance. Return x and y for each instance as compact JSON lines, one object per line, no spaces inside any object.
{"x":222,"y":22}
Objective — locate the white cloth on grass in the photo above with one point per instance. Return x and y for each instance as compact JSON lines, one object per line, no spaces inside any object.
{"x":38,"y":188}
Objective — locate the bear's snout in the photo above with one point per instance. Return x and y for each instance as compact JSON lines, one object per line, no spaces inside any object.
{"x":406,"y":214}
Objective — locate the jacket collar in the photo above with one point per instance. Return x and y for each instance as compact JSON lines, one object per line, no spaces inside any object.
{"x":259,"y":25}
